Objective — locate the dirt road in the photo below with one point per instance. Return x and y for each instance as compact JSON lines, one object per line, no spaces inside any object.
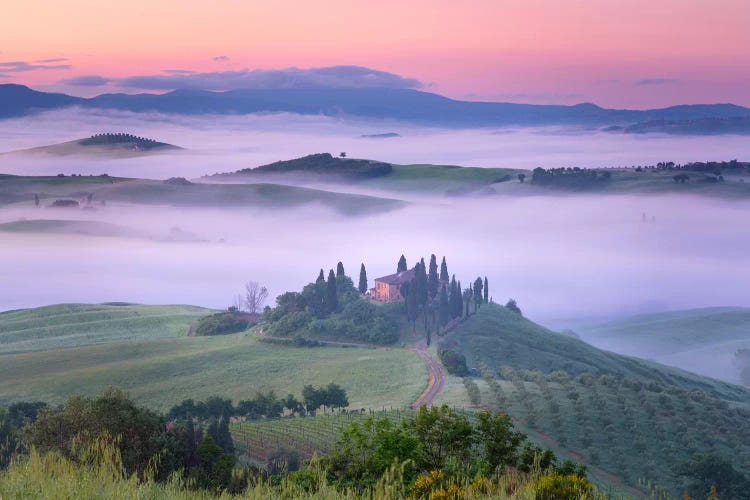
{"x":436,"y":377}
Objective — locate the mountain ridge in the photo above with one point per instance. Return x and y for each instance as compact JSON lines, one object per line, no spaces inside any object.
{"x":406,"y":105}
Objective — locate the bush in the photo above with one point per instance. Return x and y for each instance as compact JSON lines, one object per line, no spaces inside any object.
{"x":283,"y":460}
{"x":562,"y":487}
{"x":454,"y":362}
{"x":290,"y":323}
{"x":223,"y":323}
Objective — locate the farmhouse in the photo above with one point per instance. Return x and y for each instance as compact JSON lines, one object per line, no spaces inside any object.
{"x":388,"y":288}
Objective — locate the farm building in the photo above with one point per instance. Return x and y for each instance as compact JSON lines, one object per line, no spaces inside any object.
{"x":388,"y":288}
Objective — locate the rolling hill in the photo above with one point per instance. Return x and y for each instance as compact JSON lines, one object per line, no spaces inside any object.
{"x":381,"y":103}
{"x":101,"y":145}
{"x":182,"y":193}
{"x":679,"y":338}
{"x":635,"y":419}
{"x":51,"y":353}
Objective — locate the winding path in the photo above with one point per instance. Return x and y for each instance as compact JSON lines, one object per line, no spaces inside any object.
{"x":436,"y":377}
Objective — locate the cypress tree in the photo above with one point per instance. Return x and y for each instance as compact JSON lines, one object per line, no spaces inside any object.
{"x":444,"y":271}
{"x":340,"y":270}
{"x":401,"y":264}
{"x":412,"y":307}
{"x":362,"y":280}
{"x":321,"y":277}
{"x":467,"y":298}
{"x":459,"y":300}
{"x":432,"y":277}
{"x":486,"y":291}
{"x":421,"y":282}
{"x":445,"y":310}
{"x":332,"y":296}
{"x":478,"y":285}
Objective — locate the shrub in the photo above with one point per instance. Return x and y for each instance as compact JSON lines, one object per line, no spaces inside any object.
{"x":454,"y":362}
{"x":223,"y":323}
{"x":562,"y":487}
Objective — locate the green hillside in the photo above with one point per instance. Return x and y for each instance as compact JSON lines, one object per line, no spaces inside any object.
{"x":54,"y":352}
{"x":117,"y":145}
{"x":75,"y":325}
{"x":675,"y":331}
{"x":700,"y":340}
{"x":635,"y":419}
{"x":62,"y":226}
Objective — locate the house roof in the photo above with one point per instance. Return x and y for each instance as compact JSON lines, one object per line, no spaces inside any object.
{"x":398,"y":278}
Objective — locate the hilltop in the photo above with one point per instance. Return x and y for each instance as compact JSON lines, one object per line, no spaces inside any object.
{"x":603,"y":408}
{"x":379,"y":103}
{"x":729,"y":179}
{"x":118,"y":145}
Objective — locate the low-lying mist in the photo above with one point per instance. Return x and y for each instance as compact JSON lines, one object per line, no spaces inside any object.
{"x":560,"y":257}
{"x":228,"y":143}
{"x":563,"y":258}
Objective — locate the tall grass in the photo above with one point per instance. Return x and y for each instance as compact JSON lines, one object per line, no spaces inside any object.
{"x":98,"y":474}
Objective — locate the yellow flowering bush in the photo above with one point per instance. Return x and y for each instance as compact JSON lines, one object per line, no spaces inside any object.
{"x":559,"y":487}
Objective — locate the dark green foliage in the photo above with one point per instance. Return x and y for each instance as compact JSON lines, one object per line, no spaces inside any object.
{"x":456,"y":302}
{"x":332,"y":296}
{"x":9,"y":438}
{"x":454,"y":362}
{"x":486,"y":290}
{"x":111,"y":414}
{"x":25,"y":412}
{"x":333,"y":309}
{"x":362,"y":280}
{"x":401,"y":267}
{"x":223,"y":323}
{"x":340,"y":270}
{"x":709,"y":469}
{"x":444,"y":307}
{"x":475,"y":396}
{"x":331,"y":396}
{"x":214,"y":469}
{"x":477,"y":292}
{"x":122,"y":139}
{"x":283,"y":460}
{"x":420,"y":284}
{"x":513,"y":306}
{"x":444,"y":277}
{"x":499,"y":440}
{"x":218,"y":430}
{"x":321,"y":277}
{"x":432,"y":278}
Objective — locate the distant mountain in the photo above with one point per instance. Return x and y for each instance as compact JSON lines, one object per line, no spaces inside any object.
{"x":703,"y":126}
{"x":112,"y":145}
{"x":398,"y":104}
{"x":18,"y":100}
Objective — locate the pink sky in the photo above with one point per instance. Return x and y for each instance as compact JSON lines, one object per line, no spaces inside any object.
{"x":541,"y":51}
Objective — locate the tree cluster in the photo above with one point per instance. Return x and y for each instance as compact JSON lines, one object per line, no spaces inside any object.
{"x":436,"y":439}
{"x":571,"y":177}
{"x":333,"y":308}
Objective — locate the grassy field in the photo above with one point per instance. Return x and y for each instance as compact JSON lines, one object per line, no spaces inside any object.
{"x":439,"y":178}
{"x":76,"y":325}
{"x":632,"y":418}
{"x":17,"y":188}
{"x":49,"y":355}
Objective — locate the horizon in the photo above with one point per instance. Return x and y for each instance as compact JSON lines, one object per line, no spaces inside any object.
{"x":634,"y":56}
{"x":84,"y":95}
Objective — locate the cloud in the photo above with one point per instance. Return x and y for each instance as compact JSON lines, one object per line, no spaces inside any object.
{"x":47,"y":61}
{"x":88,"y":81}
{"x":289,"y":78}
{"x":221,"y":58}
{"x":656,"y":81}
{"x":22,"y":66}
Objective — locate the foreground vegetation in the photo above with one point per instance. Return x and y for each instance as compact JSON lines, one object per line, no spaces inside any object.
{"x":90,"y":446}
{"x":607,"y":409}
